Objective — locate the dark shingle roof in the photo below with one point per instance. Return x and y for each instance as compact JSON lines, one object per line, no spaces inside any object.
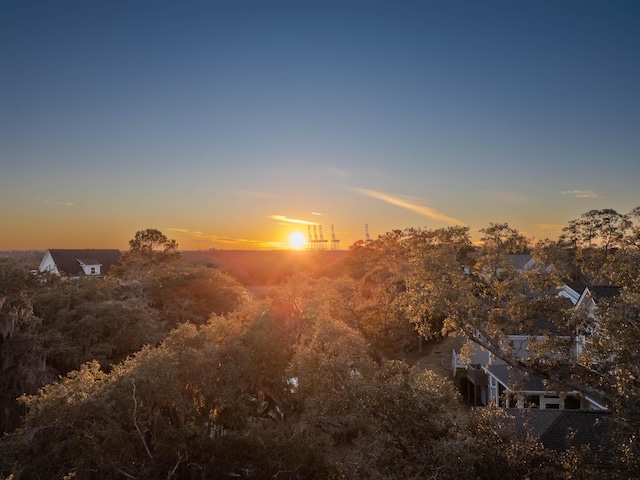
{"x":88,"y":261}
{"x":67,"y":261}
{"x":604,"y":291}
{"x":560,"y":430}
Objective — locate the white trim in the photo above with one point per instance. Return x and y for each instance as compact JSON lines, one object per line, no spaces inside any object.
{"x":593,"y":402}
{"x":567,"y":292}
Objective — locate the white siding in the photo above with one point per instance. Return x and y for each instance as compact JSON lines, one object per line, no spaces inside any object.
{"x":48,"y":264}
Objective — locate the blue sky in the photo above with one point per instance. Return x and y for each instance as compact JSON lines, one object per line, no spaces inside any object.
{"x":232,"y":124}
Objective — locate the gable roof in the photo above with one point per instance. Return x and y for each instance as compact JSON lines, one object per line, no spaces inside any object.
{"x":598,"y":293}
{"x":68,"y":261}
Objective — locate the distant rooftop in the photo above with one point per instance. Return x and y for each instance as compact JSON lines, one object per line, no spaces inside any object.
{"x":520,"y":260}
{"x":68,"y":261}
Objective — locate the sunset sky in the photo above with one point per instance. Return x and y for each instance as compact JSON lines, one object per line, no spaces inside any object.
{"x":232,"y":124}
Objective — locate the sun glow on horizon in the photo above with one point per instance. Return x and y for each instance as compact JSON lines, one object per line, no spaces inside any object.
{"x":297,"y":240}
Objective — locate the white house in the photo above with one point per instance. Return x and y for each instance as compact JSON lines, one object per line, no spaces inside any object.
{"x":490,"y":379}
{"x":75,"y":263}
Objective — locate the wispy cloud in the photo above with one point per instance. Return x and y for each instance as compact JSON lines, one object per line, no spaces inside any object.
{"x":50,"y":202}
{"x":414,"y":207}
{"x":316,"y":213}
{"x":282,"y":218}
{"x":582,"y":193}
{"x":198,"y":236}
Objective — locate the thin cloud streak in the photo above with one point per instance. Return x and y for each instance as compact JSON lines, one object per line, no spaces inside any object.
{"x":282,"y":218}
{"x":419,"y":209}
{"x":582,"y":193}
{"x":60,"y":204}
{"x":196,"y":235}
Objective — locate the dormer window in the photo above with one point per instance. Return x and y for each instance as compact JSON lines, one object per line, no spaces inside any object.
{"x":90,"y":266}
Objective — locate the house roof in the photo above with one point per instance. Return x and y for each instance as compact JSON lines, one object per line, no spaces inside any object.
{"x":560,"y":430}
{"x":604,"y":291}
{"x":68,"y":261}
{"x":577,"y":287}
{"x":515,"y":379}
{"x":596,"y":291}
{"x":519,"y":260}
{"x":88,"y":261}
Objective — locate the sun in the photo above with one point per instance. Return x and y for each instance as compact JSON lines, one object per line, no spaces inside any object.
{"x":297,"y":240}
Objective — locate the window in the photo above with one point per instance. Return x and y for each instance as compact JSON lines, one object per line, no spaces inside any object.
{"x":93,"y":270}
{"x":552,"y":402}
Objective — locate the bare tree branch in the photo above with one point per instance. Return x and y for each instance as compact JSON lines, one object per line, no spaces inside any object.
{"x":135,"y":420}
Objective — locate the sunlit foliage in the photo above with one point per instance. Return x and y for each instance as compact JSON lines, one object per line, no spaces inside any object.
{"x":307,"y":382}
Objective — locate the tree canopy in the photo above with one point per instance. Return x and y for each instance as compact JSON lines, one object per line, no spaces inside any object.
{"x":170,"y":369}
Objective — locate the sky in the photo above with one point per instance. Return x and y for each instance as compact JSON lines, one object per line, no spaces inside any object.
{"x":233,"y":124}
